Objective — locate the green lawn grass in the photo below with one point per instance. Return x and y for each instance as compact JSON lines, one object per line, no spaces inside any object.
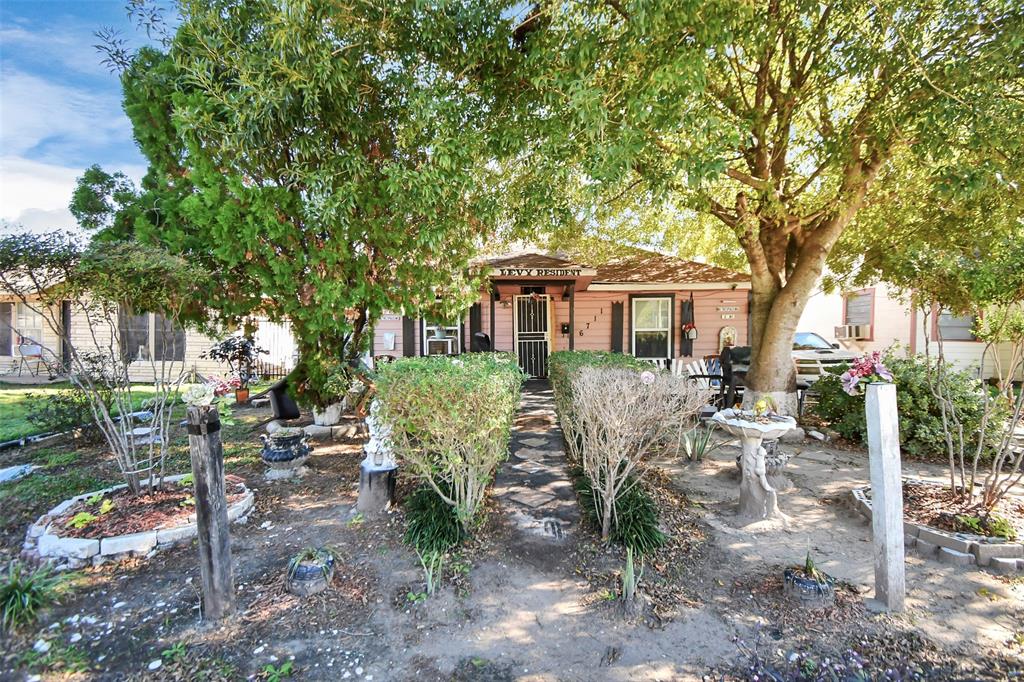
{"x":16,"y":400}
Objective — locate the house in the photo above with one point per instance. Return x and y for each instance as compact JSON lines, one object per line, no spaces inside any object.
{"x":31,"y":349}
{"x":878,"y":318}
{"x":640,"y":302}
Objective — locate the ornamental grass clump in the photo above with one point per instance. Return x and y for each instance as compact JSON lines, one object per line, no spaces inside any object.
{"x":24,"y":592}
{"x":432,"y":531}
{"x":450,"y":421}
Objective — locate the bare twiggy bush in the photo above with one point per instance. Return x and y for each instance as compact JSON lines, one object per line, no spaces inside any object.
{"x":619,"y":417}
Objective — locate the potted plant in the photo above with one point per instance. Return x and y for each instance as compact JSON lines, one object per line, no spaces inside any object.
{"x":240,"y":353}
{"x":284,"y":452}
{"x":808,"y":586}
{"x":337,"y":385}
{"x":311,"y":570}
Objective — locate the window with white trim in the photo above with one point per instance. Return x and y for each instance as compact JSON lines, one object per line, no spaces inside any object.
{"x":956,"y":327}
{"x":652,"y":327}
{"x":441,"y":338}
{"x":28,"y":326}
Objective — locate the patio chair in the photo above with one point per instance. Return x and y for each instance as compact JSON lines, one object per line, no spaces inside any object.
{"x":28,"y":352}
{"x":735,"y":362}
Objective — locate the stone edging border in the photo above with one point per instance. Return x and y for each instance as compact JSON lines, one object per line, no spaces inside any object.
{"x":72,"y":553}
{"x":958,"y":549}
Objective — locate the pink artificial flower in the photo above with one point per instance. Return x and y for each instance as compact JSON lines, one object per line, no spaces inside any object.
{"x":647,"y":377}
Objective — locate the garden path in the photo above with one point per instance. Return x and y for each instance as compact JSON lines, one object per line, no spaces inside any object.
{"x":534,"y":485}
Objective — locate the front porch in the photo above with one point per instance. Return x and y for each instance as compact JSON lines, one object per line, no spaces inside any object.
{"x":649,"y":305}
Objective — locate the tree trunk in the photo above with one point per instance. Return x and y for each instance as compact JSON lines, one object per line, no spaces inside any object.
{"x":772,"y":373}
{"x":775,"y":315}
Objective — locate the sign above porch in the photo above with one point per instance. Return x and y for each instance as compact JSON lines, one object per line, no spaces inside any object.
{"x":536,"y":266}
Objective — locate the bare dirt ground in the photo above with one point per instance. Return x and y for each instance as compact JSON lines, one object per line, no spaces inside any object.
{"x":517,"y":606}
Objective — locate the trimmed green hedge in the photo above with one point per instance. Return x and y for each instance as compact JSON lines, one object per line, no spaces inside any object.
{"x":451,"y":420}
{"x":564,"y":364}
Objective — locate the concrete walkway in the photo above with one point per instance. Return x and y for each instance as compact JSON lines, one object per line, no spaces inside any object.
{"x":533,"y":485}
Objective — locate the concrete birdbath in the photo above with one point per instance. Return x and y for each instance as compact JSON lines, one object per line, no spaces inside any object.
{"x":758,"y":499}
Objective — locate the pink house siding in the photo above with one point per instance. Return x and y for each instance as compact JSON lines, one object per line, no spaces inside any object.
{"x":593,"y":320}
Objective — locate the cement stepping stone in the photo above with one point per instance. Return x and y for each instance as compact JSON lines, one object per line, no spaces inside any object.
{"x":534,"y":483}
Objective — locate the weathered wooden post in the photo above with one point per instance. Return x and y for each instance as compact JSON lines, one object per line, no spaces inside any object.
{"x":886,"y":496}
{"x":218,"y":583}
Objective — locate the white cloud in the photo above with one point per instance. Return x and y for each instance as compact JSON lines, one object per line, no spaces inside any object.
{"x":36,"y":195}
{"x":71,"y":45}
{"x":34,"y":111}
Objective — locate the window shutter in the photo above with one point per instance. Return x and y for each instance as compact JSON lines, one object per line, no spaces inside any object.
{"x":686,"y":318}
{"x":616,"y":346}
{"x":6,"y":321}
{"x":475,"y":325}
{"x":408,"y":336}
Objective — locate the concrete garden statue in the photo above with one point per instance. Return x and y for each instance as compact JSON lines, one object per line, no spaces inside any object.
{"x":758,"y":498}
{"x":377,"y":472}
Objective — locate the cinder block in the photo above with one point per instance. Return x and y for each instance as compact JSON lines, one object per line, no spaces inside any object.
{"x":985,"y":552}
{"x":910,"y":529}
{"x":168,"y":536}
{"x":240,"y":508}
{"x":318,"y":432}
{"x":952,"y":556}
{"x":134,"y":542}
{"x":70,"y":548}
{"x":1003,"y":566}
{"x":925,"y":549}
{"x":909,"y":541}
{"x":943,"y":540}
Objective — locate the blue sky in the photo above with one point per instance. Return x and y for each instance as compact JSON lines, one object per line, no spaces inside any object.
{"x":60,"y":109}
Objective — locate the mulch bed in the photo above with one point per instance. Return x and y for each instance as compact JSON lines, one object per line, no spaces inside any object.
{"x":937,"y":506}
{"x":162,"y":508}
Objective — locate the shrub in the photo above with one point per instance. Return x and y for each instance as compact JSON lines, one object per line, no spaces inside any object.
{"x":636,"y":521}
{"x":450,"y":420}
{"x":24,"y":592}
{"x":617,"y":416}
{"x":433,"y":529}
{"x":67,"y":409}
{"x":564,"y":365}
{"x":921,"y":429}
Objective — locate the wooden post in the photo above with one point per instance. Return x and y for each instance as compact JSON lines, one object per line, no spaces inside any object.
{"x":886,"y":496}
{"x":218,"y":583}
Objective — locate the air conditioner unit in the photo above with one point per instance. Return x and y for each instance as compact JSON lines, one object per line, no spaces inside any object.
{"x":852,"y":332}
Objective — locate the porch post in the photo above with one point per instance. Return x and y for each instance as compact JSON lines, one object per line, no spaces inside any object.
{"x":494,"y":341}
{"x":572,"y":316}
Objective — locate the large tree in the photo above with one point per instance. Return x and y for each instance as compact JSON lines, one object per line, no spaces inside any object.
{"x":326,"y":160}
{"x":775,"y":116}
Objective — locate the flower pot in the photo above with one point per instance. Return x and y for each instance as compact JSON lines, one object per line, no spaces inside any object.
{"x":285,"y":451}
{"x":241,"y":396}
{"x":310,"y":576}
{"x":328,"y":416}
{"x":808,"y":592}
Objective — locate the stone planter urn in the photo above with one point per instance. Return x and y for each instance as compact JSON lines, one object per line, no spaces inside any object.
{"x":310,"y":571}
{"x":284,"y":453}
{"x":758,"y":498}
{"x":328,"y":416}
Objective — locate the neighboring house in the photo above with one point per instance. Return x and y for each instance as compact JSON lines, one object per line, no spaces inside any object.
{"x":30,"y":347}
{"x":876,"y":318}
{"x":640,"y":302}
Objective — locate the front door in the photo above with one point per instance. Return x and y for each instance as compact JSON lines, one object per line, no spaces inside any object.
{"x":531,"y":333}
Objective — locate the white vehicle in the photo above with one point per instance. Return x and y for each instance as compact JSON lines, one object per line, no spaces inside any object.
{"x":813,"y":355}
